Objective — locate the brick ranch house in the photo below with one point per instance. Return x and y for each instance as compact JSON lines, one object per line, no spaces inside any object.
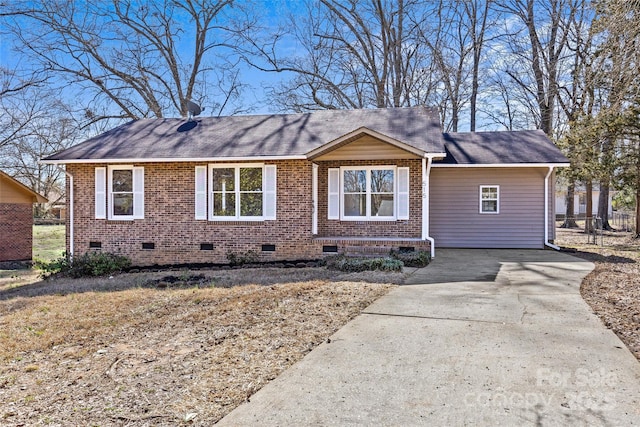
{"x":16,"y":219}
{"x":301,"y":186}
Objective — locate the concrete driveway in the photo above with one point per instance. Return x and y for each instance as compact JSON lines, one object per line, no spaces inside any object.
{"x":479,"y":337}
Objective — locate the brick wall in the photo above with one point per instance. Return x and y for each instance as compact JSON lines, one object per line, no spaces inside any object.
{"x":16,"y":231}
{"x":411,"y":228}
{"x":170,"y":223}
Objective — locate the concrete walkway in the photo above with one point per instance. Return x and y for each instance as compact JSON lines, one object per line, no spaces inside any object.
{"x":480,"y":337}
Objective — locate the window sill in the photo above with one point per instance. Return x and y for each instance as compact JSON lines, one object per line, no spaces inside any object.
{"x":236,"y":222}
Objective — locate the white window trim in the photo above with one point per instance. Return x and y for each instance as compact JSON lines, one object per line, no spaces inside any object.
{"x":368,"y":217}
{"x":110,"y":204}
{"x":497,"y":199}
{"x":236,"y":174}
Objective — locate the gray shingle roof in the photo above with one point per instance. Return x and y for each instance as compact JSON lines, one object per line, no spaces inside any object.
{"x":255,"y":136}
{"x":476,"y":148}
{"x":285,"y":135}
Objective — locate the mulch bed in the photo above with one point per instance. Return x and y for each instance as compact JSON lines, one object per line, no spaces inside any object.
{"x":612,"y":289}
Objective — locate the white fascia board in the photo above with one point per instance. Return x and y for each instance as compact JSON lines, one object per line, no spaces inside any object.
{"x":504,"y":165}
{"x":177,"y":160}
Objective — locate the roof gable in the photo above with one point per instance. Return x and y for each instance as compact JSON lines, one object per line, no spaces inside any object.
{"x":364,"y":144}
{"x":13,"y":191}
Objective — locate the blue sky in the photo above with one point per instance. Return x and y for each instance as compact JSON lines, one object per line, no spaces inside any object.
{"x":270,"y":13}
{"x":255,"y":96}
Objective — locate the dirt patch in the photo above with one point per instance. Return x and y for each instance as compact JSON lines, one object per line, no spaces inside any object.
{"x":612,"y":289}
{"x":177,"y":348}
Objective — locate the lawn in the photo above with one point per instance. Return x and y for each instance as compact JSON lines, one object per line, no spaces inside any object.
{"x":48,"y":245}
{"x":186,"y":347}
{"x":164,"y":348}
{"x":48,"y":242}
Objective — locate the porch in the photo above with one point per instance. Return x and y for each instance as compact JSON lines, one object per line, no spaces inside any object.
{"x":368,"y":246}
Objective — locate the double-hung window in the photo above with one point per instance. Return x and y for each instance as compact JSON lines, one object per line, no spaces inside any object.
{"x":489,"y":199}
{"x":236,"y":192}
{"x":119,"y":192}
{"x":368,"y":193}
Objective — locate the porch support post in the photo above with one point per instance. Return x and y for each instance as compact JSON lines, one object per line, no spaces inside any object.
{"x":426,"y":172}
{"x":314,"y":197}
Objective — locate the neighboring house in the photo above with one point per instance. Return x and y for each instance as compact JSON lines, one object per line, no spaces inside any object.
{"x":580,"y":201}
{"x":16,"y":219}
{"x":301,"y":186}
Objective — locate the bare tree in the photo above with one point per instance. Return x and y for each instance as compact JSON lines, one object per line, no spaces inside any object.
{"x":40,"y":125}
{"x":616,"y":64}
{"x":576,"y":100}
{"x":131,"y":55}
{"x":477,"y":13}
{"x":538,"y":50}
{"x":451,"y":47}
{"x":12,"y":89}
{"x":354,"y":54}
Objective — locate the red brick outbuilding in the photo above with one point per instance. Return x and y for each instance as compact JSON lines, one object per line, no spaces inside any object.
{"x":16,"y":219}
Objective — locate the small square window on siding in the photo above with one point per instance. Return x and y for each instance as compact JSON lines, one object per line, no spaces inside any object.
{"x":489,"y":199}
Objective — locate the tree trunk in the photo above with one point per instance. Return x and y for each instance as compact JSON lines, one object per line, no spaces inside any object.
{"x":589,"y":209}
{"x":603,"y":205}
{"x":637,"y":229}
{"x":570,"y":216}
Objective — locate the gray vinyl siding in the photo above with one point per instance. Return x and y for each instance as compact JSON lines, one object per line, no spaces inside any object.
{"x":455,"y":220}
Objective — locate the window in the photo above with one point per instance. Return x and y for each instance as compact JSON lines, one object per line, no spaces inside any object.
{"x":369,"y":193}
{"x":236,"y":192}
{"x":121,"y":191}
{"x":489,"y":199}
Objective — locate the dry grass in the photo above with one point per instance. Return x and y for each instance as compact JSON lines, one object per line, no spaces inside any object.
{"x":612,"y":289}
{"x":115,"y":352}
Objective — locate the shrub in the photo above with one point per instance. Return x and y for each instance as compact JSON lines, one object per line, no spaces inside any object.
{"x":56,"y":266}
{"x":89,"y":264}
{"x":413,"y":258}
{"x":242,"y":258}
{"x":354,"y":265}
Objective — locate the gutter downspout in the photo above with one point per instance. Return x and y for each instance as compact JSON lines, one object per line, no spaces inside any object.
{"x":426,"y":172}
{"x":70,"y":210}
{"x":546,"y":211}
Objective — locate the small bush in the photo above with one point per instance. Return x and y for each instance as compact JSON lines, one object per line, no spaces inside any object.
{"x":413,"y":258}
{"x":242,"y":258}
{"x":89,"y":264}
{"x":355,"y":265}
{"x":56,"y":266}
